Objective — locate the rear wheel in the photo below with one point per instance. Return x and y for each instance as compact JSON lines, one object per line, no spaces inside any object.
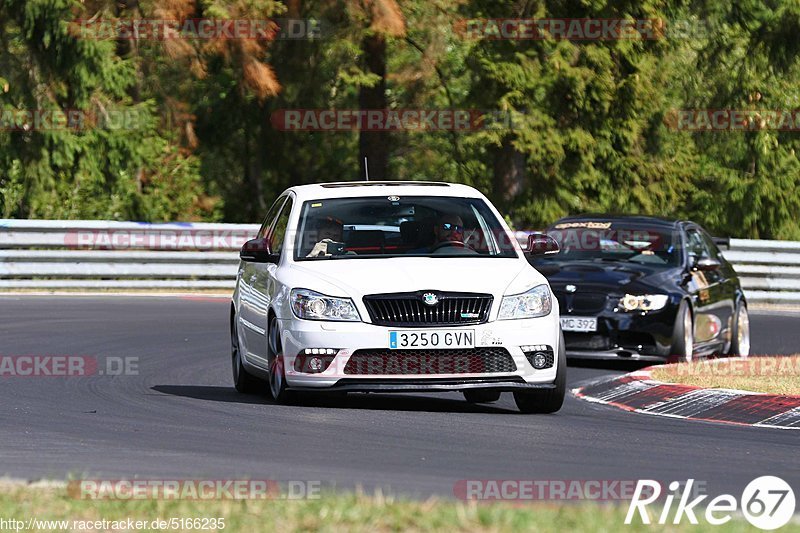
{"x":481,"y":395}
{"x":277,"y":376}
{"x":547,"y":400}
{"x":683,"y":334}
{"x":242,"y":379}
{"x":740,"y":343}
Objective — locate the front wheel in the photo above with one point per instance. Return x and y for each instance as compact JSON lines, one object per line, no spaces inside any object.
{"x":546,"y":400}
{"x":683,"y":334}
{"x":740,"y":343}
{"x":277,"y":376}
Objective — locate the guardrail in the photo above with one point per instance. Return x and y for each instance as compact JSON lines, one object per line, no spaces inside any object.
{"x":90,"y":254}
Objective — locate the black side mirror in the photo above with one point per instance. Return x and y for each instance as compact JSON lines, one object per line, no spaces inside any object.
{"x":258,"y":251}
{"x":707,"y":264}
{"x":541,"y":244}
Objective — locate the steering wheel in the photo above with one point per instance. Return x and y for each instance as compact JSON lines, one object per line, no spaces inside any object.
{"x":457,"y":244}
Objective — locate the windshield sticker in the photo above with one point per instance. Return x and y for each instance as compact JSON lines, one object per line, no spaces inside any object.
{"x":591,"y":225}
{"x":316,"y":204}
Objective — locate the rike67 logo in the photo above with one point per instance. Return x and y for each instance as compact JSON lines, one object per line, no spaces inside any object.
{"x":767,"y":502}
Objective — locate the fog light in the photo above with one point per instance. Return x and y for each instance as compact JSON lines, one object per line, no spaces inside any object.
{"x":539,"y":360}
{"x":314,"y":360}
{"x":316,"y":364}
{"x":540,"y":356}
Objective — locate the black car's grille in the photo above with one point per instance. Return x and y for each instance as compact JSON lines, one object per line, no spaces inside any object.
{"x":410,"y":309}
{"x":429,"y":362}
{"x":581,"y":302}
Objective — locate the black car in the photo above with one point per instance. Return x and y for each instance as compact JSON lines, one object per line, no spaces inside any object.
{"x":644,"y":288}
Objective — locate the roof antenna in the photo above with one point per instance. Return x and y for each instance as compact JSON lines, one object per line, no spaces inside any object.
{"x":366,"y":168}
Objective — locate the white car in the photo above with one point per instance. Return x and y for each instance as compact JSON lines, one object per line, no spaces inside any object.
{"x":395,"y":287}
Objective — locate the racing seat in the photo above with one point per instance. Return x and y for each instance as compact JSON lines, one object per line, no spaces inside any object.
{"x":366,"y":241}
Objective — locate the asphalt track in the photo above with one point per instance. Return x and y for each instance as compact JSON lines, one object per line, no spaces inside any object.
{"x":180,"y":417}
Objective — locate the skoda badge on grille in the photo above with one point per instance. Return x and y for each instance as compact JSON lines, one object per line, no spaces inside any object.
{"x":430,"y":298}
{"x":571,"y":288}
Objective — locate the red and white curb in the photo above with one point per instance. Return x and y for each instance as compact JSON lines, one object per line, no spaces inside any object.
{"x":638,"y":392}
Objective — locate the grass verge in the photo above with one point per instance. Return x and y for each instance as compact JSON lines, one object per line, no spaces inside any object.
{"x":334,"y":512}
{"x":774,"y":375}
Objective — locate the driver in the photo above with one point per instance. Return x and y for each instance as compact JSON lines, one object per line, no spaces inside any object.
{"x":448,"y":228}
{"x":330,"y":233}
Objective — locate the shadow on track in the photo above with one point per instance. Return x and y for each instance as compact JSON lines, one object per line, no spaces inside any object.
{"x":353,"y":400}
{"x":611,"y":364}
{"x":206,"y":392}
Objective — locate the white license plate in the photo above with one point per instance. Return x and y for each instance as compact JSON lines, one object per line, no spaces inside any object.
{"x":579,"y":323}
{"x":431,"y":338}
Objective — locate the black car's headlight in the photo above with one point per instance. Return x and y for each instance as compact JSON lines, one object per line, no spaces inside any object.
{"x":312,"y":305}
{"x":531,"y":304}
{"x":643,"y":302}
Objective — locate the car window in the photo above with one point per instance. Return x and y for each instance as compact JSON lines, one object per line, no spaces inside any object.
{"x":279,"y":230}
{"x":711,"y":246}
{"x":696,"y":246}
{"x":270,"y":218}
{"x":429,"y":226}
{"x":599,"y":240}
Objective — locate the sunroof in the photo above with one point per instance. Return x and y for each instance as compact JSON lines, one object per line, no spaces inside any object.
{"x":382,"y":184}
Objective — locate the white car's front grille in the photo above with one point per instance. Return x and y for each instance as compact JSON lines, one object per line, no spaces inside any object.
{"x":428,"y":308}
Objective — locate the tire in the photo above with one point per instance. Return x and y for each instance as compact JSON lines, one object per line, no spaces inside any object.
{"x":683,"y":334}
{"x":481,"y":395}
{"x":740,"y":340}
{"x":277,"y":376}
{"x":243,"y":381}
{"x":547,"y":400}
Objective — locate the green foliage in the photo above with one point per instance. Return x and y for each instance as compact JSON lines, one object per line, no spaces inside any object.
{"x":112,"y":159}
{"x":589,"y":126}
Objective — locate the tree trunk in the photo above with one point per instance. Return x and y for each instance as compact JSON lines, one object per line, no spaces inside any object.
{"x":510,"y":173}
{"x":374,"y":145}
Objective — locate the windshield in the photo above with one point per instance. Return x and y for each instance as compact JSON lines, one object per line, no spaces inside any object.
{"x":392,"y":226}
{"x":607,"y":241}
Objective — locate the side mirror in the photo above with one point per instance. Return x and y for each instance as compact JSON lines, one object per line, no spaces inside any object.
{"x":258,"y":251}
{"x":541,"y":244}
{"x":707,"y":264}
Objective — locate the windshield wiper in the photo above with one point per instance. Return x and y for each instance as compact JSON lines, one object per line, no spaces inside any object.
{"x":612,"y":259}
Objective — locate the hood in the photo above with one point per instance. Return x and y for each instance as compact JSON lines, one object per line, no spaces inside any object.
{"x":609,"y":276}
{"x":358,"y":277}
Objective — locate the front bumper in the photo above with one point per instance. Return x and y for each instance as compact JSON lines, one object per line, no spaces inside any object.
{"x":625,"y":335}
{"x":431,"y":385}
{"x":346,"y":338}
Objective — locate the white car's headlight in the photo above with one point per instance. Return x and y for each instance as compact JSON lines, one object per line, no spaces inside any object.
{"x":312,"y":305}
{"x":643,"y":302}
{"x":534,"y":303}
